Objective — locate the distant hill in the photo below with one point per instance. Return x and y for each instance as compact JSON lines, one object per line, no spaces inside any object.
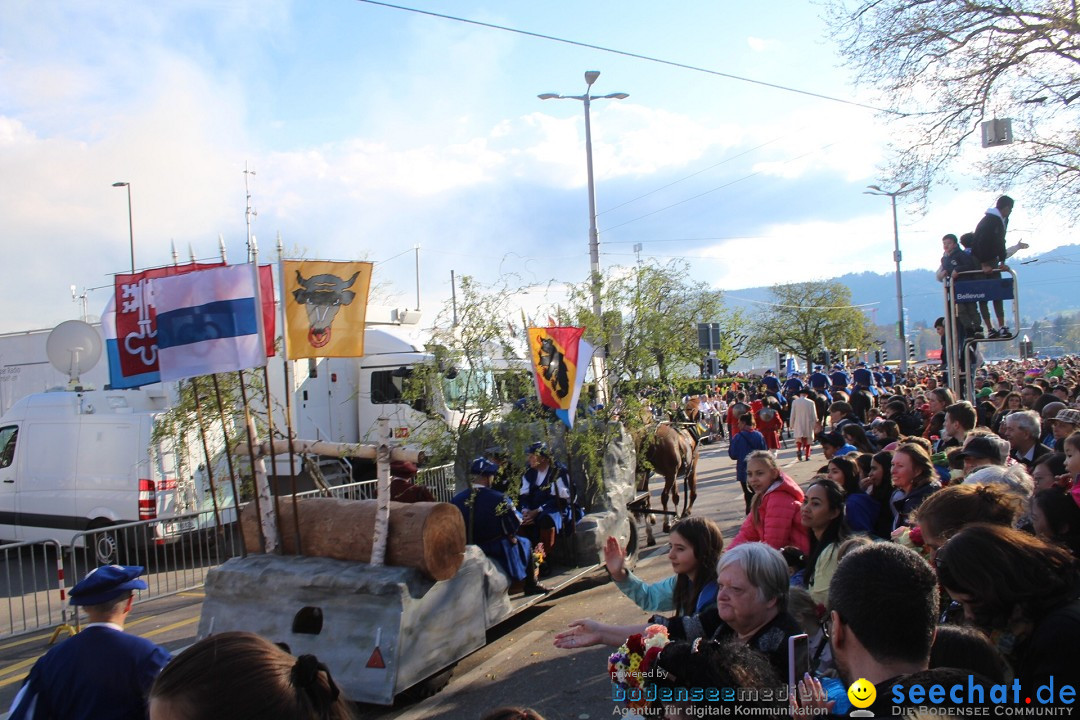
{"x":1048,"y":286}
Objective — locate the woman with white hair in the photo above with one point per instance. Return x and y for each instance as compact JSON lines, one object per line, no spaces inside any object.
{"x":751,"y":607}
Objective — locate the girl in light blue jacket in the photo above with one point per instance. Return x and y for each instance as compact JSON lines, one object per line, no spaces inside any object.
{"x":695,"y":544}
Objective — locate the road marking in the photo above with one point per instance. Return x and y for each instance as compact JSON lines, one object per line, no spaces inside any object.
{"x":167,"y":628}
{"x":192,"y":594}
{"x":48,"y":634}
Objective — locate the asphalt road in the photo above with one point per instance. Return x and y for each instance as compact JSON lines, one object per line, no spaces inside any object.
{"x":519,"y":665}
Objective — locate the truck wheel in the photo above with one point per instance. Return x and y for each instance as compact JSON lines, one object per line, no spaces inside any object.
{"x":427,"y":687}
{"x":108,"y":547}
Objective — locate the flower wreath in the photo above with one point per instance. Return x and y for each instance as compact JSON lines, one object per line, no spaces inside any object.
{"x":632,"y":664}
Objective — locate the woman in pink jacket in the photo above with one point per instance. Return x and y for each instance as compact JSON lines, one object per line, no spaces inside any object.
{"x":774,"y":516}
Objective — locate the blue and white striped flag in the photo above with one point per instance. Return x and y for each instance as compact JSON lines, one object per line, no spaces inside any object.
{"x":208,"y":322}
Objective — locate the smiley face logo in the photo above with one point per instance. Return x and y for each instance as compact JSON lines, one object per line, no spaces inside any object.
{"x":862,"y":693}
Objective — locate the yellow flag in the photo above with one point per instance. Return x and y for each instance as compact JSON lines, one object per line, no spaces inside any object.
{"x":325,"y":306}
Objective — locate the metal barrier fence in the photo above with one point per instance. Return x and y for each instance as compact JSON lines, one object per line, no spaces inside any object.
{"x":33,"y":587}
{"x":177,"y":553}
{"x":439,"y":480}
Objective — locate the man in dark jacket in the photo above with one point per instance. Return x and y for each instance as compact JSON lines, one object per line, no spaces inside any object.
{"x":989,"y":249}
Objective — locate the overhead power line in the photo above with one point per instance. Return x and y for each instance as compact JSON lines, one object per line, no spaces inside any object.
{"x":638,"y":56}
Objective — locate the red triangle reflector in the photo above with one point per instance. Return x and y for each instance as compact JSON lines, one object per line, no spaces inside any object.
{"x":376,"y":660}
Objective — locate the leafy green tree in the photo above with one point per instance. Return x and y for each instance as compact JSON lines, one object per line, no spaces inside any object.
{"x":944,"y":66}
{"x":805,"y":317}
{"x":650,"y":327}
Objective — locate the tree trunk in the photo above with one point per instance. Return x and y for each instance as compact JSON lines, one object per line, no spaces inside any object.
{"x":427,"y":536}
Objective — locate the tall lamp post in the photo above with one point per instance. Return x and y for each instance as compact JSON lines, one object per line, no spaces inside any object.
{"x":131,"y":227}
{"x":594,"y":238}
{"x":904,"y":189}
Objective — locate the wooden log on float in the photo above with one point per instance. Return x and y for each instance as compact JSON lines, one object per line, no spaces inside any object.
{"x":427,"y":536}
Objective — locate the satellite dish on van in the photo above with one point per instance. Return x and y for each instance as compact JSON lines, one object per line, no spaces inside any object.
{"x":73,"y":348}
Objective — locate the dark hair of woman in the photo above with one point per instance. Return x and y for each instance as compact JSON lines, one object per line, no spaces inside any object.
{"x":855,"y":435}
{"x":847,"y":465}
{"x":965,"y":648}
{"x":837,"y":531}
{"x":944,"y":395}
{"x":707,"y":541}
{"x":953,"y":507}
{"x":242,"y":676}
{"x":1056,"y":461}
{"x":1003,"y":570}
{"x":889,"y":429}
{"x":1062,"y":516}
{"x":864,"y":460}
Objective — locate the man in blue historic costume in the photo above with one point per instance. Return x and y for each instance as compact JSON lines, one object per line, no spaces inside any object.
{"x":492,"y":522}
{"x":839,"y":378}
{"x":864,"y":378}
{"x":820,"y":382}
{"x":793,"y":384}
{"x":545,"y":497}
{"x":102,"y":673}
{"x":772,"y":386}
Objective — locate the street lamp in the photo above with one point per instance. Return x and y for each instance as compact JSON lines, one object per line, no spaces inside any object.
{"x":594,"y":239}
{"x":131,"y":227}
{"x":904,"y":189}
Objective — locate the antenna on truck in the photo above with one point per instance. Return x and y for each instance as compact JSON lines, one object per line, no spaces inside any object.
{"x":73,"y":347}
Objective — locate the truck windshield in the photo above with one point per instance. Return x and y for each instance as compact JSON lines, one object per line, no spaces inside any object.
{"x":467,"y":388}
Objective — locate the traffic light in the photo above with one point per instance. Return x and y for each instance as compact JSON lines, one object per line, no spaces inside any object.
{"x":877,"y":357}
{"x":884,"y":355}
{"x":911,"y":351}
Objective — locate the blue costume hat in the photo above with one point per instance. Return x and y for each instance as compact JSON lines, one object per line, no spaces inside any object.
{"x":482,"y":466}
{"x":106,"y":583}
{"x":538,"y":448}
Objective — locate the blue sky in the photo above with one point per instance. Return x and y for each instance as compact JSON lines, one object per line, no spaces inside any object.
{"x":372,"y":130}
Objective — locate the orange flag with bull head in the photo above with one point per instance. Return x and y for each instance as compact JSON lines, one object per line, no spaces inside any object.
{"x":325,"y":305}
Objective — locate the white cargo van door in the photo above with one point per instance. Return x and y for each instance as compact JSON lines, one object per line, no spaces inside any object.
{"x":10,"y":453}
{"x":45,"y":488}
{"x":113,"y":457}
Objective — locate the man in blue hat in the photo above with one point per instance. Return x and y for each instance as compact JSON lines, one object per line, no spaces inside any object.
{"x":820,"y":382}
{"x":865,"y":379}
{"x":545,"y":496}
{"x":839,"y":378}
{"x":492,"y":522}
{"x":102,"y":672}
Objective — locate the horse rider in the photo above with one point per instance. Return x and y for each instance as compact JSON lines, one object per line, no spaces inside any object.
{"x":839,"y":378}
{"x":819,"y":382}
{"x":772,"y":386}
{"x":793,"y":384}
{"x":864,"y":379}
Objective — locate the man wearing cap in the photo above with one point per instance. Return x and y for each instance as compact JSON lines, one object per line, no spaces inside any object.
{"x":819,"y":381}
{"x":492,"y":522}
{"x":102,"y":672}
{"x":1065,"y":424}
{"x":864,"y":378}
{"x":545,"y":496}
{"x":839,"y":378}
{"x":982,"y":450}
{"x":772,"y":386}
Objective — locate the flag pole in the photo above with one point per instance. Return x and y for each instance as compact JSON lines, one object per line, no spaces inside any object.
{"x":206,"y":453}
{"x":228,"y":460}
{"x":288,"y":396}
{"x":250,"y":424}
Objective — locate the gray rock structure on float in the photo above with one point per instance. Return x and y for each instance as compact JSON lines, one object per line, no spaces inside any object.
{"x":343,"y":612}
{"x":352,"y":614}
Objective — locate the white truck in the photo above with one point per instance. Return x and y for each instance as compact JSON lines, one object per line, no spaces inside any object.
{"x":77,"y":461}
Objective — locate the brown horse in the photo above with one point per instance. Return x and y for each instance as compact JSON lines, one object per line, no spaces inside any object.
{"x":671,"y":449}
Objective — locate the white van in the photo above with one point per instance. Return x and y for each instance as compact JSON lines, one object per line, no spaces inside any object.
{"x":77,"y":461}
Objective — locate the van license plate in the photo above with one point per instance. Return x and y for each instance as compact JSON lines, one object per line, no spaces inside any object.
{"x":177,"y":528}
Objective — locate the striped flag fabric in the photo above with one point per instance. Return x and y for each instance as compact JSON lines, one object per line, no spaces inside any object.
{"x":559,"y":357}
{"x":208,"y":322}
